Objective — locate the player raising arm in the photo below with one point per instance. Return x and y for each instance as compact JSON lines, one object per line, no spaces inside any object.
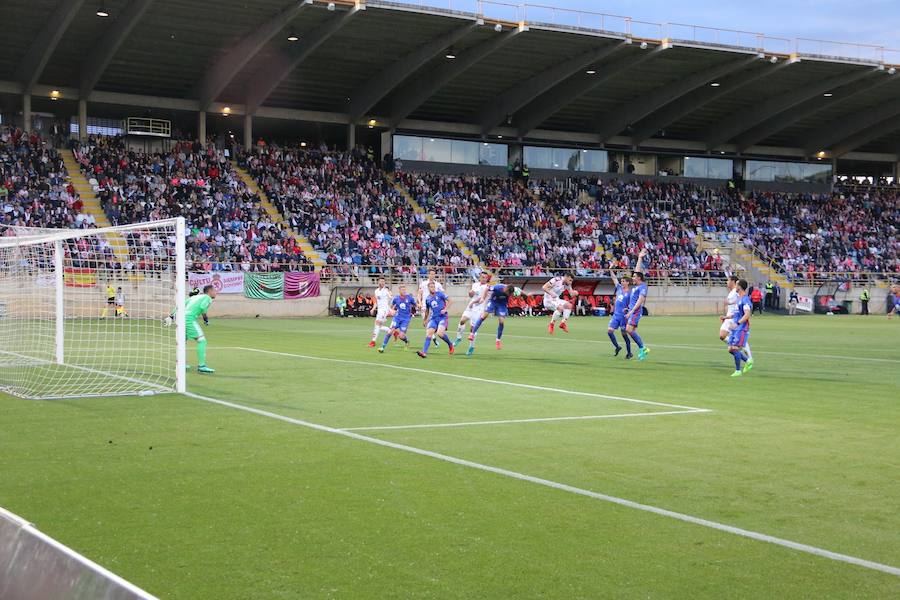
{"x":437,"y":306}
{"x":553,"y":301}
{"x":497,"y":299}
{"x":380,"y":311}
{"x":741,"y":331}
{"x":618,"y":320}
{"x":401,"y":313}
{"x":476,"y":305}
{"x":636,"y":304}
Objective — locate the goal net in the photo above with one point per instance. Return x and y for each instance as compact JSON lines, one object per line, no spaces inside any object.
{"x":83,"y":312}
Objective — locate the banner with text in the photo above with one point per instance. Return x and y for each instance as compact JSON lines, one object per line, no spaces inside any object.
{"x":301,"y":285}
{"x":264,"y":286}
{"x":225,"y":283}
{"x":804,"y":303}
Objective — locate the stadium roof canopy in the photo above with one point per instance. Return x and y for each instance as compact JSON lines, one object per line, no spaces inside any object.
{"x":522,"y":72}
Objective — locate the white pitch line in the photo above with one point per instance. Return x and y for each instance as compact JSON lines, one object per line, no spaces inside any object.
{"x":536,"y":420}
{"x":464,"y":377}
{"x":762,"y":537}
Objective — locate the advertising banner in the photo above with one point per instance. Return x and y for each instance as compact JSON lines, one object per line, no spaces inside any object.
{"x":264,"y":286}
{"x":804,"y":303}
{"x":225,"y":283}
{"x":301,"y":285}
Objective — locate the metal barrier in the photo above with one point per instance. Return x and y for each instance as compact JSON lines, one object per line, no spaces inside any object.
{"x":148,"y":127}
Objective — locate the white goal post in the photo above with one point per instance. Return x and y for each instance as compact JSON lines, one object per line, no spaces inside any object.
{"x":83,"y":311}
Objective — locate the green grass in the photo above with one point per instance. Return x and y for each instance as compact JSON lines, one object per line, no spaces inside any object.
{"x":234,"y":505}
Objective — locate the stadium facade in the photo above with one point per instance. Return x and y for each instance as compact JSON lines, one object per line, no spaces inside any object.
{"x":475,"y":86}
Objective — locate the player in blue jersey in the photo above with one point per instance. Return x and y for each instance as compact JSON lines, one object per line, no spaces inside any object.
{"x":401,"y":314}
{"x":894,"y":297}
{"x":618,"y":320}
{"x":497,"y":297}
{"x":740,"y":333}
{"x":636,"y":305}
{"x":437,"y":306}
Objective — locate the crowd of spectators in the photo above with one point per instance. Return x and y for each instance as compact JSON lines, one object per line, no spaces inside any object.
{"x":227,"y":228}
{"x":345,"y":204}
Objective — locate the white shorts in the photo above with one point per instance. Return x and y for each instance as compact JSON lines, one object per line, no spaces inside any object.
{"x":475,"y":312}
{"x":553,"y":303}
{"x":727,"y":326}
{"x":382,"y":315}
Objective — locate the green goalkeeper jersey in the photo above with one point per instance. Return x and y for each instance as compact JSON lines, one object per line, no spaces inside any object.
{"x":196,"y":306}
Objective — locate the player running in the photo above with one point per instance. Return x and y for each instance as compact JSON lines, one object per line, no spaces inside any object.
{"x":636,"y":304}
{"x":423,"y":294}
{"x":475,"y":307}
{"x":437,"y":306}
{"x":740,"y":333}
{"x":553,"y":301}
{"x":497,"y":299}
{"x":382,"y":306}
{"x":618,"y":321}
{"x":401,"y":312}
{"x":727,"y":322}
{"x":193,"y":311}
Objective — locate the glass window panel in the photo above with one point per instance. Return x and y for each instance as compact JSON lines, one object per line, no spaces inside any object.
{"x":493,"y":154}
{"x":595,"y":161}
{"x":538,"y":158}
{"x":464,"y":153}
{"x":566,"y":159}
{"x":437,"y":150}
{"x":695,"y":167}
{"x":787,"y":172}
{"x":407,"y":147}
{"x":719,"y":168}
{"x":817,"y":173}
{"x":760,"y":170}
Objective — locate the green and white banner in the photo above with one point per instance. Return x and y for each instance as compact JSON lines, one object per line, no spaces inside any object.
{"x":264,"y":286}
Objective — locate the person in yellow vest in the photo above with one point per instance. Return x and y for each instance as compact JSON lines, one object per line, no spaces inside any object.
{"x":110,"y":301}
{"x":864,"y":300}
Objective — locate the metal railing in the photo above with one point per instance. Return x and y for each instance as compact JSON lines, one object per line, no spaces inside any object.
{"x":496,"y":11}
{"x":148,"y":127}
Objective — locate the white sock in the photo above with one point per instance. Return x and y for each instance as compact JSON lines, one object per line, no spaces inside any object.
{"x":460,"y":328}
{"x":566,"y":314}
{"x":556,"y":315}
{"x":747,"y":349}
{"x":385,"y":329}
{"x":375,"y":331}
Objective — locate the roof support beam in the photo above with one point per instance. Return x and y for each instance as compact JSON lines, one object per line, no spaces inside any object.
{"x":379,"y":86}
{"x":267,"y":80}
{"x":105,"y":49}
{"x":742,"y":120}
{"x":497,"y":110}
{"x":701,"y":96}
{"x":791,"y":116}
{"x":632,"y":111}
{"x":45,"y":43}
{"x":861,"y":138}
{"x":546,"y":105}
{"x":844,"y":127}
{"x":216,"y":79}
{"x":416,"y":92}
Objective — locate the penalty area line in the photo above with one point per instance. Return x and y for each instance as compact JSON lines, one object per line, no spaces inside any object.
{"x":746,"y":533}
{"x":535,"y":420}
{"x":527,"y":386}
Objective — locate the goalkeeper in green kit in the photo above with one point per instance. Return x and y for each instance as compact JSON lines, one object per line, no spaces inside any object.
{"x":195,"y":308}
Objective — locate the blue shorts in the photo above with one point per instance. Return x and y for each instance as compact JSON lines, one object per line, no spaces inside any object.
{"x":738,"y":337}
{"x":400,"y":324}
{"x":498,"y":309}
{"x":438,"y":321}
{"x":617,"y":322}
{"x":635,"y":318}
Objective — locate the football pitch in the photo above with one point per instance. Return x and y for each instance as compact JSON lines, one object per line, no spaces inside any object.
{"x":310,"y":466}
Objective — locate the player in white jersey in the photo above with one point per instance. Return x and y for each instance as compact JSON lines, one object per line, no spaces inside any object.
{"x":731,"y":302}
{"x":476,"y":306}
{"x":383,"y":297}
{"x":553,"y":301}
{"x":423,"y":293}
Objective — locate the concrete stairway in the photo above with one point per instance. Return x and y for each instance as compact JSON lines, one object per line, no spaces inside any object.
{"x":92,"y":204}
{"x":435,"y":223}
{"x":275,"y":215}
{"x":759,"y":269}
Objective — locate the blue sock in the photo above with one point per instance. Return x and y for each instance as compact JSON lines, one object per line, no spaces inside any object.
{"x":500,"y":330}
{"x":737,"y":359}
{"x":387,"y":338}
{"x":446,"y":338}
{"x":477,"y":325}
{"x":637,"y":338}
{"x":427,"y":344}
{"x":627,"y":342}
{"x":612,"y":338}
